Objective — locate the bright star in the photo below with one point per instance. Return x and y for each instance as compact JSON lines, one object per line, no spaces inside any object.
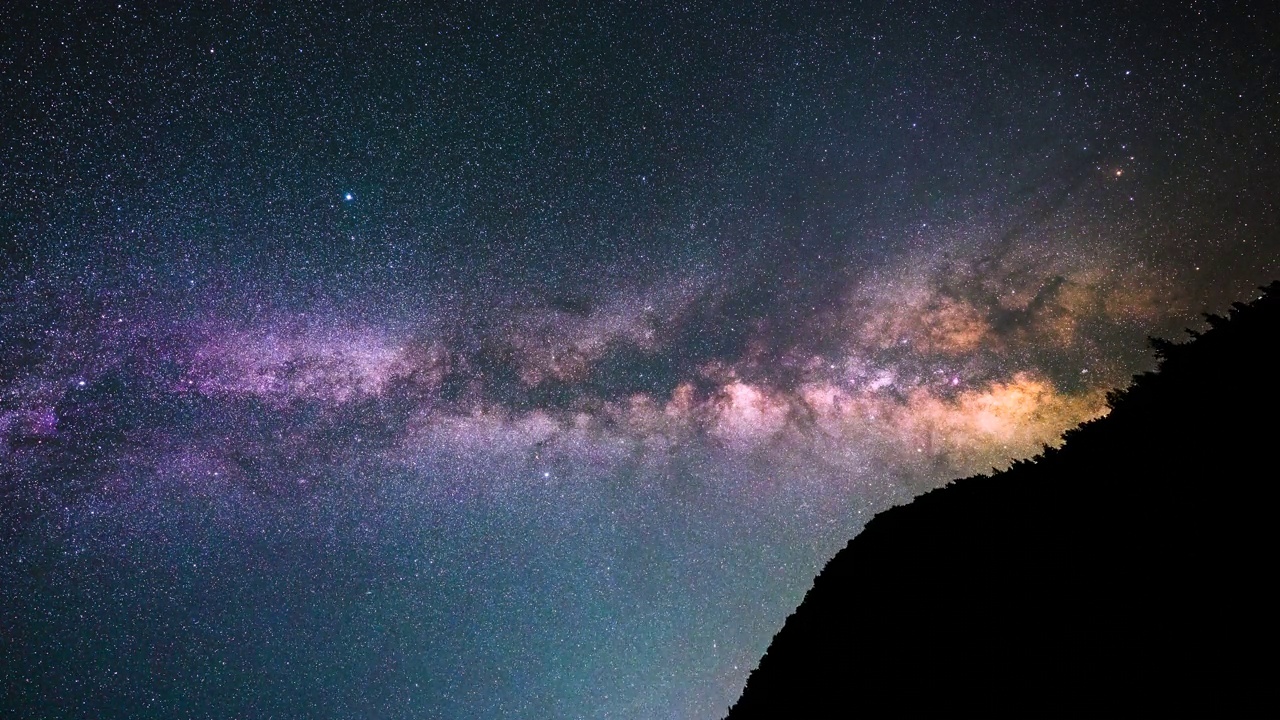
{"x":348,"y":197}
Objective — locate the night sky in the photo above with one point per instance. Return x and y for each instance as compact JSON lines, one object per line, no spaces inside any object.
{"x":478,"y":362}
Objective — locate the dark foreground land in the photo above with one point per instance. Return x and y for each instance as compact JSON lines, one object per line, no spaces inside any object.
{"x":1132,"y":570}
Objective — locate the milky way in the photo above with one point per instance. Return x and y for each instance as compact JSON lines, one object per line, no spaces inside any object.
{"x":465,"y":363}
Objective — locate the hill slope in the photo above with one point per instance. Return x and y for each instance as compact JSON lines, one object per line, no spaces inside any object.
{"x":1132,"y":569}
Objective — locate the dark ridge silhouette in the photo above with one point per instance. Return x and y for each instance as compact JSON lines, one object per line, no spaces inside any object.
{"x":1133,"y":570}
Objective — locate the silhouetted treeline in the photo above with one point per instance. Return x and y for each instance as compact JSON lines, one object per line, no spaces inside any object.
{"x":1132,"y":571}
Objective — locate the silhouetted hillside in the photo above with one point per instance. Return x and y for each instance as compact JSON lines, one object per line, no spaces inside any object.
{"x":1131,"y":570}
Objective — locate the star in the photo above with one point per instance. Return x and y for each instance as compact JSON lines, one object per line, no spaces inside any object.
{"x":732,"y":296}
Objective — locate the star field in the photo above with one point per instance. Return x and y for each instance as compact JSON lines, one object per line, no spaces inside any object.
{"x":529,"y":362}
